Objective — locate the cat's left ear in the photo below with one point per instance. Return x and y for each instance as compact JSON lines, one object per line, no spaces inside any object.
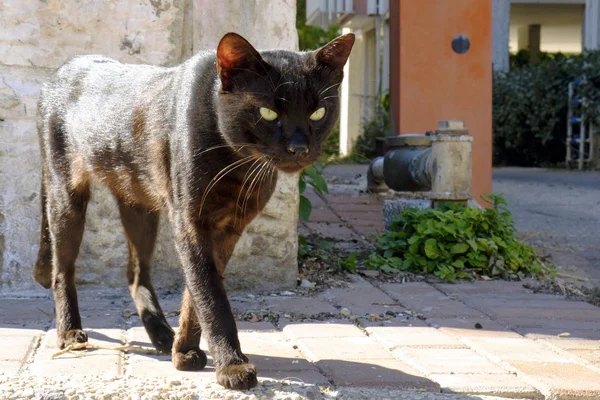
{"x":234,"y":55}
{"x":335,"y":53}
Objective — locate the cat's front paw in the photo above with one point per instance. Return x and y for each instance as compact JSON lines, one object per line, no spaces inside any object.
{"x":71,"y":337}
{"x":240,"y":377}
{"x":192,"y":360}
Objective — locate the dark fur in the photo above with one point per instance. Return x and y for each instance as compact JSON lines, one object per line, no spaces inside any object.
{"x":188,"y":139}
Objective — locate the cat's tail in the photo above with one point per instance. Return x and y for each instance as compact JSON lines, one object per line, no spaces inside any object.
{"x":42,"y":271}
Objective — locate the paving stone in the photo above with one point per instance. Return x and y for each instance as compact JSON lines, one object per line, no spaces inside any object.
{"x":315,"y":199}
{"x":308,"y":377}
{"x":483,"y":384}
{"x":140,"y":365}
{"x":101,"y":314}
{"x":567,"y":381}
{"x":448,"y":361}
{"x":553,"y":333}
{"x":106,"y":363}
{"x":569,"y":343}
{"x":487,"y":288}
{"x":138,"y":336}
{"x":401,"y":320}
{"x":516,"y":350}
{"x":362,"y":298}
{"x":468,"y":327}
{"x":442,"y":308}
{"x":270,"y":351}
{"x":17,"y":343}
{"x":392,"y":337}
{"x":343,"y":348}
{"x":246,"y":326}
{"x":532,"y":302}
{"x":552,"y":312}
{"x":592,"y":356}
{"x":368,"y":214}
{"x":411,"y":290}
{"x":242,"y":303}
{"x":382,"y":373}
{"x":323,"y":214}
{"x":298,"y":305}
{"x":565,"y":325}
{"x":345,"y":200}
{"x":295,"y":330}
{"x":9,"y":368}
{"x":30,"y":313}
{"x":332,"y":231}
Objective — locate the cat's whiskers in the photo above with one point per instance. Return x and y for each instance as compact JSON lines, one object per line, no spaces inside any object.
{"x":282,"y":84}
{"x":246,"y":177}
{"x":329,"y":87}
{"x":329,"y":97}
{"x":248,"y":192}
{"x":250,"y":189}
{"x":270,"y":168}
{"x":221,"y":175}
{"x":256,"y":123}
{"x":273,"y":170}
{"x":241,"y":146}
{"x":262,"y":175}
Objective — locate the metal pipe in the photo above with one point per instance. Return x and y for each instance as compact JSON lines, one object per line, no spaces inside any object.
{"x":439,"y":163}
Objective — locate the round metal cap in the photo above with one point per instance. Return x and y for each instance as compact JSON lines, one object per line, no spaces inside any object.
{"x":409,"y":140}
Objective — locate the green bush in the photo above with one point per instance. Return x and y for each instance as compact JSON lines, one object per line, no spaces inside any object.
{"x":365,"y":147}
{"x":530,"y":108}
{"x":456,"y":242}
{"x":310,"y":176}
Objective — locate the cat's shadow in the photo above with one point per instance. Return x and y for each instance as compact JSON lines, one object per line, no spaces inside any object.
{"x":299,"y":371}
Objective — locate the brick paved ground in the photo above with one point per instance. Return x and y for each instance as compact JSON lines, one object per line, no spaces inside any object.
{"x":483,"y":338}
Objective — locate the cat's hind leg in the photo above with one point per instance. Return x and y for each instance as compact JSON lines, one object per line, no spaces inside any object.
{"x":66,"y":218}
{"x":187,"y":355}
{"x":141,"y":227}
{"x":42,"y":272}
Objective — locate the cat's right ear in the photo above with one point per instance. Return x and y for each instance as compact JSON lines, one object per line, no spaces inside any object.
{"x":235,"y":55}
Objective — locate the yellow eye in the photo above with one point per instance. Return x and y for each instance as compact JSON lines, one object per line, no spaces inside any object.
{"x":267,"y":114}
{"x":317,"y":115}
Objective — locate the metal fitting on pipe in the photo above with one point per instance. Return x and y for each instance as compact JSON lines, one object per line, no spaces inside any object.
{"x":439,"y":164}
{"x":375,"y":181}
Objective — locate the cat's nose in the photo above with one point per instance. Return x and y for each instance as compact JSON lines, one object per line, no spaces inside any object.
{"x":298,"y":143}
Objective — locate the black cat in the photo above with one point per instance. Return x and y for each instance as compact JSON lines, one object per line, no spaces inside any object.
{"x":205,"y":141}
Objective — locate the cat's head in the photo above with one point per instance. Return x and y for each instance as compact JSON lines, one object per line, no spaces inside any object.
{"x":279,"y":105}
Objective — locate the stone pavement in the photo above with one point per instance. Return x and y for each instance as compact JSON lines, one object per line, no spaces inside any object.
{"x":361,"y":340}
{"x":484,"y":338}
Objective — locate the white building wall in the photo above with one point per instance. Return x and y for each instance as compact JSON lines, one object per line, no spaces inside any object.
{"x":560,"y":26}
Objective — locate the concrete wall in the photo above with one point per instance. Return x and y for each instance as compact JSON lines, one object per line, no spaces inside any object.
{"x":38,"y":36}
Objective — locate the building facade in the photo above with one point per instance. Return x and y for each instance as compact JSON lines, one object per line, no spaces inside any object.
{"x":567,"y":26}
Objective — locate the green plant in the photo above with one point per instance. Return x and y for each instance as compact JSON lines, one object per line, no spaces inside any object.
{"x":311,"y":37}
{"x":310,"y":176}
{"x":530,"y":108}
{"x":377,"y":127}
{"x":457,"y":242}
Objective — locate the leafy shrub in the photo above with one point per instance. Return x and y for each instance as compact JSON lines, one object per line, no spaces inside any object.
{"x":366,"y":144}
{"x":331,"y":146}
{"x":310,"y":176}
{"x":456,"y":242}
{"x":530,"y":108}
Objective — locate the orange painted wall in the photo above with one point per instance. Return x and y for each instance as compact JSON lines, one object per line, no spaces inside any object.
{"x":430,"y":82}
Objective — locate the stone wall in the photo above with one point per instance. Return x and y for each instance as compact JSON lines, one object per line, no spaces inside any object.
{"x":37,"y":36}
